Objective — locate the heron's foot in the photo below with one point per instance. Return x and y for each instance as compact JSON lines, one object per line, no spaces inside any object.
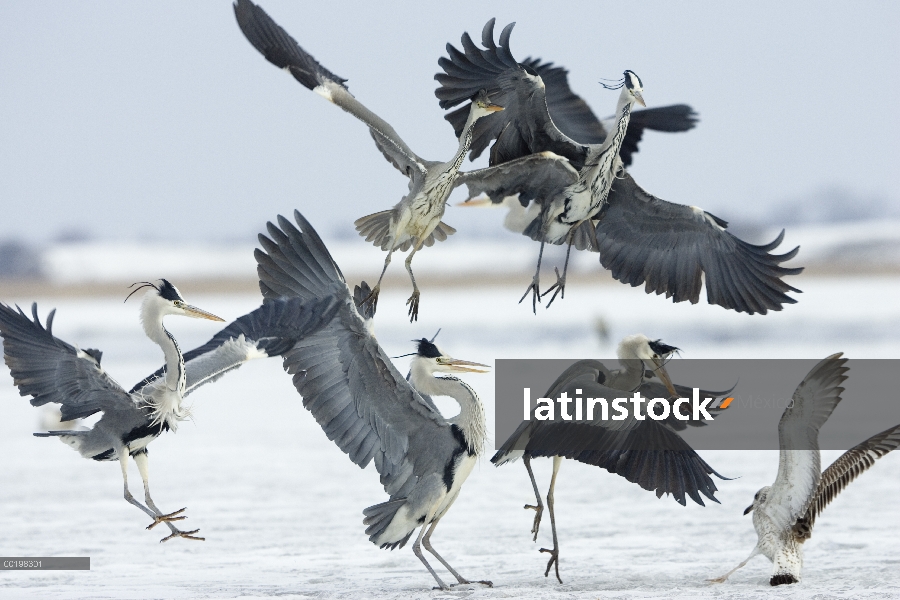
{"x":188,"y":535}
{"x":372,"y":298}
{"x":168,"y":518}
{"x":718,"y":579}
{"x":534,"y":288}
{"x":554,"y":560}
{"x":483,"y":582}
{"x":559,"y":287}
{"x":539,"y":512}
{"x":413,"y":303}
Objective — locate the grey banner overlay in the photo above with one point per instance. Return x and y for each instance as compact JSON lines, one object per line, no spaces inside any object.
{"x":45,"y":563}
{"x":762,"y":390}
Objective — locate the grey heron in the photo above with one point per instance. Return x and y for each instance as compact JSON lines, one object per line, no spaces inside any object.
{"x":365,"y":406}
{"x":415,"y":221}
{"x":785,"y":512}
{"x":51,"y":370}
{"x":647,"y":452}
{"x":587,"y":197}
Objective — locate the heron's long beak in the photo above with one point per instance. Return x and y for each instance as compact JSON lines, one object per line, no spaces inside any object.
{"x":462,"y":366}
{"x":493,"y":108}
{"x":748,"y":509}
{"x":664,"y":376}
{"x":639,"y":98}
{"x":199,"y":313}
{"x":481,"y":201}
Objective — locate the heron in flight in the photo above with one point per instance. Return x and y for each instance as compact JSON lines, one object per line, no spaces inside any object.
{"x":587,"y":197}
{"x":784,"y":513}
{"x":51,"y":370}
{"x":415,"y":221}
{"x":647,"y":452}
{"x":366,"y":406}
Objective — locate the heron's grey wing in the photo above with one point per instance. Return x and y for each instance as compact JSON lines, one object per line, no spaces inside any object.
{"x":799,"y":467}
{"x":673,"y":119}
{"x":269,"y":330}
{"x":654,"y":389}
{"x":536,"y":177}
{"x":50,"y":370}
{"x":643,"y":239}
{"x":280,"y":49}
{"x":523,"y":126}
{"x":845,"y":469}
{"x":347,"y":381}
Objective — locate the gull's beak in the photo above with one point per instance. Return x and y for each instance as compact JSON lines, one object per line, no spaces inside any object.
{"x":198,"y":313}
{"x":748,"y":509}
{"x":639,"y":98}
{"x":664,"y":376}
{"x":462,"y":366}
{"x":479,"y":202}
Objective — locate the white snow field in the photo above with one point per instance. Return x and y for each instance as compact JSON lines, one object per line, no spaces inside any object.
{"x":281,"y":507}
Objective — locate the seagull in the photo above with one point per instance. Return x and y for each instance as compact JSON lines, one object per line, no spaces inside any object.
{"x":363,"y":403}
{"x":415,"y":221}
{"x":51,"y":370}
{"x":647,"y":452}
{"x":784,"y":513}
{"x":587,"y":197}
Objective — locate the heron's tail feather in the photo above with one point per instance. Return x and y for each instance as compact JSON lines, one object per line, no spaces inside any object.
{"x":379,"y":517}
{"x":377,"y":227}
{"x":534,"y":230}
{"x":584,"y":237}
{"x":439,"y":234}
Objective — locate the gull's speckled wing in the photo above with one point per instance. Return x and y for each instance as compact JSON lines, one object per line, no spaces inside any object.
{"x":668,"y":247}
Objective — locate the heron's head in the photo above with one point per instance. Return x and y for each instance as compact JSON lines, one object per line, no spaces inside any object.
{"x":165,"y":299}
{"x":634,"y":85}
{"x":432,"y":359}
{"x":758,"y":500}
{"x":482,"y":106}
{"x":653,"y":353}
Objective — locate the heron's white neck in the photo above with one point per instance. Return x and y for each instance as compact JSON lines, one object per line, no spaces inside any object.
{"x":465,"y":141}
{"x":471,"y":419}
{"x":604,"y":163}
{"x":165,"y":401}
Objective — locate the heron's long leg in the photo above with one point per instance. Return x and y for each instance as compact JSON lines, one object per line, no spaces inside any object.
{"x":373,"y":295}
{"x":143,"y":464}
{"x":560,"y":285}
{"x":426,"y":541}
{"x":534,"y":288}
{"x":554,"y":553}
{"x":417,"y":550}
{"x":413,"y":300}
{"x":123,"y":462}
{"x":539,"y":507}
{"x":728,"y":574}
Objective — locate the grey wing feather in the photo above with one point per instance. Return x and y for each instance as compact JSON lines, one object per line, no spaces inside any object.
{"x":279,"y":48}
{"x":347,"y":381}
{"x":50,"y":370}
{"x":536,"y":177}
{"x":844,"y":470}
{"x":643,"y":239}
{"x":655,"y":389}
{"x":524,"y":126}
{"x":269,"y":330}
{"x":799,"y":467}
{"x":672,"y":118}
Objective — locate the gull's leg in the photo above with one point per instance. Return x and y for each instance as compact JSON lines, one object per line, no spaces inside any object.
{"x":417,"y":550}
{"x":142,"y":460}
{"x":539,"y":507}
{"x":413,"y":300}
{"x":534,"y":288}
{"x":726,"y":575}
{"x":554,"y":553}
{"x":560,"y":285}
{"x":426,"y":541}
{"x":373,"y":295}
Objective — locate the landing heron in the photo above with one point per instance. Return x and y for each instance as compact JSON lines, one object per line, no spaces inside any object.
{"x":415,"y":221}
{"x":785,"y":512}
{"x":647,"y":452}
{"x":51,"y":370}
{"x":587,"y":197}
{"x":365,"y":405}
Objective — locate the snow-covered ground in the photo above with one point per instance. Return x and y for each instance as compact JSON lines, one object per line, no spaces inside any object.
{"x":280,"y":506}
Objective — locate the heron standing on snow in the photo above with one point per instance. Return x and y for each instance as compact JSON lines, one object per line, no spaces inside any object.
{"x":588,"y":199}
{"x":366,"y":406}
{"x":51,"y":370}
{"x":415,"y":221}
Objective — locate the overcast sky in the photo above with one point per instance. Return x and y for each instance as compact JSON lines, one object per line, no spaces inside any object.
{"x":159,"y":120}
